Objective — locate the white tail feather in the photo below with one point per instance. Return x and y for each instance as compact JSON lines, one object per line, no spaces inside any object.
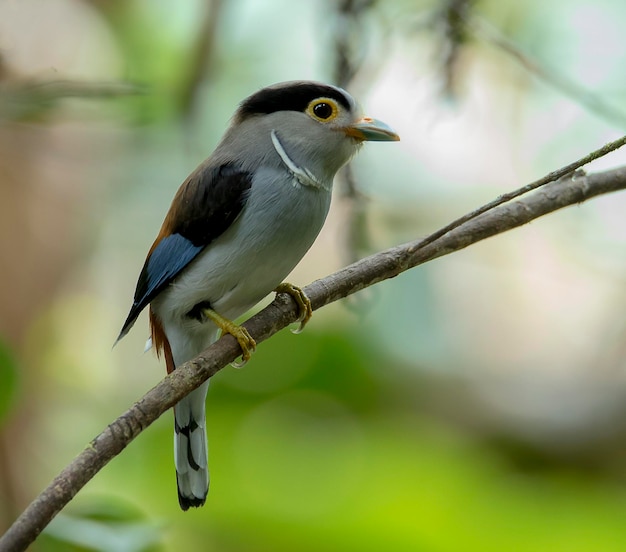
{"x":191,"y":449}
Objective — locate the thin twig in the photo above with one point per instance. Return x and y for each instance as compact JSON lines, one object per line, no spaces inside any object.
{"x":550,"y":177}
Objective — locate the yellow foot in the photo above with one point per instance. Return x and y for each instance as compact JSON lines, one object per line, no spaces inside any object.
{"x":304,"y":304}
{"x":245,"y":340}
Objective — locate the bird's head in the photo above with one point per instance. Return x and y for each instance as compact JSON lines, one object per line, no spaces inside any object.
{"x":316,"y":126}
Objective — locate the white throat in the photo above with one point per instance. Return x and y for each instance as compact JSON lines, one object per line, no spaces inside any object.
{"x":302,"y":176}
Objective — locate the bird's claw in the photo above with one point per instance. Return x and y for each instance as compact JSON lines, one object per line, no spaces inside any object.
{"x":243,"y":337}
{"x":303,"y":302}
{"x":246,"y":342}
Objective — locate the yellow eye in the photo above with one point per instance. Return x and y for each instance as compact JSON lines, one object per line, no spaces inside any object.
{"x":323,"y":109}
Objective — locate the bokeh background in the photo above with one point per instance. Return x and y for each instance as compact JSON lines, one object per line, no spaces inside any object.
{"x":477,"y":403}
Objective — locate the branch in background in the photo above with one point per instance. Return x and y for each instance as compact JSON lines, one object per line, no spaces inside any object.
{"x":350,"y":38}
{"x":585,"y":97}
{"x":201,"y":56}
{"x":577,"y":188}
{"x":350,"y":44}
{"x":24,"y":98}
{"x":451,"y":20}
{"x":457,"y":22}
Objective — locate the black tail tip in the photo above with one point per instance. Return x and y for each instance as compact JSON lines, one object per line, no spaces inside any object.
{"x":187,"y":502}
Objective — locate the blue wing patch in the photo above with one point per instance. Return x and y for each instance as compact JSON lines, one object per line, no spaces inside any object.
{"x":169,"y":257}
{"x":205,"y":206}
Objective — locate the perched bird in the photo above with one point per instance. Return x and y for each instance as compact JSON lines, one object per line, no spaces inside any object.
{"x":237,"y":226}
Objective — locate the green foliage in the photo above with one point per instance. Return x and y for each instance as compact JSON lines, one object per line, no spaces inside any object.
{"x":102,"y":525}
{"x":311,"y":449}
{"x":8,"y":379}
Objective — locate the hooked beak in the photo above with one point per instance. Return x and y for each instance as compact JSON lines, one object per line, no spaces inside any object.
{"x":371,"y":130}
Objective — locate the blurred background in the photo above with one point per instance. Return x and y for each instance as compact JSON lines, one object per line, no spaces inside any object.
{"x":474,"y":403}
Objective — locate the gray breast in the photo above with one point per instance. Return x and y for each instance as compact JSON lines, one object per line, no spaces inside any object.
{"x":277,"y":226}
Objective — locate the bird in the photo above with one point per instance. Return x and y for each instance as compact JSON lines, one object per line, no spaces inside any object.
{"x":237,"y":226}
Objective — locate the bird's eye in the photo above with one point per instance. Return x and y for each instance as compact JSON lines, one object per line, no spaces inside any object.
{"x":323,"y":109}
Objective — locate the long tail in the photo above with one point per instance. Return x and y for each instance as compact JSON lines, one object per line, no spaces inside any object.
{"x":190,"y":439}
{"x":190,"y":449}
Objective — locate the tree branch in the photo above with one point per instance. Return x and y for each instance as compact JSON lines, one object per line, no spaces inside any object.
{"x":576,"y":188}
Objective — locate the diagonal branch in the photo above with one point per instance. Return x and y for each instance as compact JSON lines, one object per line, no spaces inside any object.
{"x":588,"y":98}
{"x":574,"y":189}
